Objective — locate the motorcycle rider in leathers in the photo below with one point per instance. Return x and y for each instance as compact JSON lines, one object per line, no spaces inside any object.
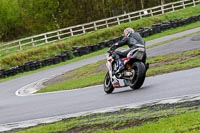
{"x":133,"y":40}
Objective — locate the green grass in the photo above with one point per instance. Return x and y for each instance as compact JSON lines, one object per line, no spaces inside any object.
{"x":18,"y":58}
{"x":188,"y":122}
{"x":163,"y":118}
{"x":81,"y":77}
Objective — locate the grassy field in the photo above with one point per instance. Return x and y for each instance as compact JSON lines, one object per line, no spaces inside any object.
{"x":162,"y":118}
{"x":10,"y":59}
{"x":97,"y":71}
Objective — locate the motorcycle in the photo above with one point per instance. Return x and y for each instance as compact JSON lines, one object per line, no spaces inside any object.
{"x":133,"y":74}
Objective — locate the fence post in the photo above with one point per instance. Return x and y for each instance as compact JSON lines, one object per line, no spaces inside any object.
{"x":173,"y":7}
{"x":72,"y":34}
{"x":129,"y":18}
{"x":20,"y":45}
{"x":58,"y":34}
{"x":162,"y":9}
{"x":151,"y":12}
{"x":45,"y":36}
{"x":83,"y":29}
{"x":140,"y":15}
{"x":118,"y":22}
{"x":95,"y":26}
{"x":32,"y":41}
{"x":183,"y":3}
{"x":107,"y":24}
{"x":194,"y":3}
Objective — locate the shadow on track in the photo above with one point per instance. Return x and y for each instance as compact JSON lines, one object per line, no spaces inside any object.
{"x":128,"y":90}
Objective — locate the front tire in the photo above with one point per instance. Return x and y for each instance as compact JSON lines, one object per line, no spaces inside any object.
{"x":140,"y":74}
{"x":108,"y":87}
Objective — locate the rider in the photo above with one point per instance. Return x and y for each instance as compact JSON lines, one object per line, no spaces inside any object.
{"x":133,"y":40}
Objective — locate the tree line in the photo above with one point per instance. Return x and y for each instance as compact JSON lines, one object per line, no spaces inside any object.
{"x":21,"y":18}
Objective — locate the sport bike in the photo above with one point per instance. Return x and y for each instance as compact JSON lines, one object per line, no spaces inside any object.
{"x":132,"y":75}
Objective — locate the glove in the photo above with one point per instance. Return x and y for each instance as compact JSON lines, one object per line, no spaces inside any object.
{"x":113,"y":47}
{"x":109,"y":50}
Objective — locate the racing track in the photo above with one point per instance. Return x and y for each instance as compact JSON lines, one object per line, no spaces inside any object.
{"x":20,"y":108}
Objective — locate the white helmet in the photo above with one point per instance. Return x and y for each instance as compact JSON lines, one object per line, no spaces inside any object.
{"x":128,"y":31}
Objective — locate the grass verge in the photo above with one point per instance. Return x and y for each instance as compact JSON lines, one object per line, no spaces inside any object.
{"x":162,"y":118}
{"x":97,"y":71}
{"x":11,"y":59}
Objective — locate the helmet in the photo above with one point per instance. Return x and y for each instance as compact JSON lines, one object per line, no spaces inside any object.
{"x":128,"y":31}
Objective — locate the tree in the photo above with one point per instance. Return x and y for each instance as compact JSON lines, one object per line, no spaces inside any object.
{"x":9,"y":19}
{"x":20,"y":18}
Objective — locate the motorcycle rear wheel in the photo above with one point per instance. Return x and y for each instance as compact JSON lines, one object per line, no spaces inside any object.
{"x":108,"y":87}
{"x":140,"y":74}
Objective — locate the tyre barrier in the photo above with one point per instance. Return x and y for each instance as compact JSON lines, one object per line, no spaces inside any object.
{"x":94,"y":48}
{"x":83,"y":50}
{"x":2,"y":74}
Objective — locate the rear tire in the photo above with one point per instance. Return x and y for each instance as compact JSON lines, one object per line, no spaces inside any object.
{"x":140,"y":74}
{"x":108,"y":87}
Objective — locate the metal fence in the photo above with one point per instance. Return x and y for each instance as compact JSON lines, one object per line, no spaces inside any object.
{"x":64,"y":33}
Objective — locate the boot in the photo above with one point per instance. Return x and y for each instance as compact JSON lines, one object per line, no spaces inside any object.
{"x":120,"y":66}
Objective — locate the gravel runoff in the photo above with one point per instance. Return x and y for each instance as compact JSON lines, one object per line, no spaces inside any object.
{"x":31,"y":123}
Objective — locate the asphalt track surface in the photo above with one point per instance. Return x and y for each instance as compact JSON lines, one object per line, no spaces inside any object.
{"x":21,"y":108}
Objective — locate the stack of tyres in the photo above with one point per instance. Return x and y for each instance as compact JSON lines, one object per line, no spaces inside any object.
{"x":7,"y":72}
{"x":2,"y":74}
{"x":174,"y":23}
{"x":56,"y":59}
{"x":101,"y":45}
{"x":49,"y":61}
{"x":198,"y":17}
{"x":94,"y":47}
{"x":15,"y":70}
{"x":69,"y":54}
{"x":147,"y":32}
{"x":46,"y":62}
{"x":82,"y":50}
{"x":75,"y":53}
{"x":156,"y":28}
{"x":62,"y":56}
{"x":185,"y":21}
{"x":180,"y":22}
{"x":165,"y":26}
{"x":27,"y":67}
{"x":10,"y":72}
{"x":32,"y":65}
{"x":192,"y":19}
{"x":37,"y":64}
{"x":43,"y":62}
{"x":21,"y":68}
{"x":108,"y":43}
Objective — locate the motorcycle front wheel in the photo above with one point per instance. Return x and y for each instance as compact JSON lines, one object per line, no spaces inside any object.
{"x":140,"y":74}
{"x":108,"y":87}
